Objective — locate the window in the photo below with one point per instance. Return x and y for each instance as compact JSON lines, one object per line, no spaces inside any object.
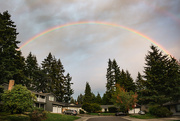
{"x":51,"y":98}
{"x":178,"y":108}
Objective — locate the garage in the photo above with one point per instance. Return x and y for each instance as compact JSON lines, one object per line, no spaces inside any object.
{"x":57,"y":109}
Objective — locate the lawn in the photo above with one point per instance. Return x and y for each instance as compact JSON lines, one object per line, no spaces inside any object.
{"x":59,"y":117}
{"x":146,"y":116}
{"x":50,"y":117}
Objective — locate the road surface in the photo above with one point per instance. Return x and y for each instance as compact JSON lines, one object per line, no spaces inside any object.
{"x":108,"y":118}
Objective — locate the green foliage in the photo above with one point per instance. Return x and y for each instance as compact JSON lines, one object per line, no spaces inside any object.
{"x":161,"y":78}
{"x":88,"y":94}
{"x":18,"y":100}
{"x":38,"y":114}
{"x":11,"y":61}
{"x":112,"y":109}
{"x":80,"y":99}
{"x":98,"y":99}
{"x":91,"y":108}
{"x":17,"y":117}
{"x":68,"y":90}
{"x":159,"y":111}
{"x":123,"y":99}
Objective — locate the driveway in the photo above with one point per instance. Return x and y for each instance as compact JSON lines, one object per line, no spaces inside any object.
{"x":107,"y":118}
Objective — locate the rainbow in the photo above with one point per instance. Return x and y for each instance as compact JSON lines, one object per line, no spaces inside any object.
{"x":89,"y":23}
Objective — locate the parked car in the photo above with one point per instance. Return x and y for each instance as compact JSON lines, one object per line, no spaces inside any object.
{"x":70,"y":112}
{"x":120,"y":114}
{"x":141,"y":112}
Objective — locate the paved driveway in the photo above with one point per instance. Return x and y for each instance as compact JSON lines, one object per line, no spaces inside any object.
{"x":108,"y":118}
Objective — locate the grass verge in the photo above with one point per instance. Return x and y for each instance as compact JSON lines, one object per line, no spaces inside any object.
{"x":146,"y":116}
{"x":60,"y":117}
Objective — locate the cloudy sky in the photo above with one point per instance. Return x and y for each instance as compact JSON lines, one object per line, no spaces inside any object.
{"x":84,"y":49}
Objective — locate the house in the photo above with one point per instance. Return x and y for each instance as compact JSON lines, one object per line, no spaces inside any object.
{"x":72,"y":106}
{"x":105,"y":108}
{"x":174,"y":107}
{"x":47,"y":101}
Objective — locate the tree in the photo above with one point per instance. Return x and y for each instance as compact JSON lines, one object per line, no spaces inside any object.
{"x":88,"y":94}
{"x":19,"y":99}
{"x":113,"y":76}
{"x":12,"y":63}
{"x":31,"y":71}
{"x":126,"y":81}
{"x":98,"y":99}
{"x":80,"y":99}
{"x":161,"y":78}
{"x":55,"y":79}
{"x":123,"y":99}
{"x":68,"y":89}
{"x":139,"y":86}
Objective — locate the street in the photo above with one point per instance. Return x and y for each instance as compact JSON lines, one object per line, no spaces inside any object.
{"x":108,"y":118}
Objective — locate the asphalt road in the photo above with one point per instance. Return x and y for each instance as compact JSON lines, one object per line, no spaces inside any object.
{"x":108,"y":118}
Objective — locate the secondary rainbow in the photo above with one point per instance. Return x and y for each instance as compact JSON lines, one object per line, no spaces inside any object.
{"x":96,"y":23}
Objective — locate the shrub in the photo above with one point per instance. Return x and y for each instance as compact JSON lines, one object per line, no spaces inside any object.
{"x":38,"y":114}
{"x":112,"y":109}
{"x":91,"y":108}
{"x":159,"y":111}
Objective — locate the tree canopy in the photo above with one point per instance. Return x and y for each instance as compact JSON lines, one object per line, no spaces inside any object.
{"x":18,"y":100}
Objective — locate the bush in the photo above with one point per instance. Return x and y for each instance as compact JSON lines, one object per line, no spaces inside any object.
{"x":159,"y":111}
{"x":38,"y":114}
{"x":91,"y":108}
{"x":112,"y":109}
{"x":18,"y":118}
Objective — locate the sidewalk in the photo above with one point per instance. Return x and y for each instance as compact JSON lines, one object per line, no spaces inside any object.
{"x":86,"y":117}
{"x":158,"y":119}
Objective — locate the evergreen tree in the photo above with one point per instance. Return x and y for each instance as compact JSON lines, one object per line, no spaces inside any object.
{"x":54,"y":71}
{"x":88,"y":94}
{"x":98,"y":99}
{"x":68,"y":89}
{"x":80,"y":99}
{"x":12,"y":63}
{"x":161,"y":77}
{"x":126,"y":81}
{"x":31,"y":68}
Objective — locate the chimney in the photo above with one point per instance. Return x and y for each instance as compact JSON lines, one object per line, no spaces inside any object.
{"x":11,"y":84}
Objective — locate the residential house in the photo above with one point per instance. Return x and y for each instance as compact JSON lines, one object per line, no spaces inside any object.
{"x":174,"y":107}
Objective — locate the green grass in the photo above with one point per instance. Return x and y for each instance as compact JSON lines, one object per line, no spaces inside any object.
{"x":60,"y":117}
{"x":102,"y":114}
{"x":146,"y":116}
{"x":50,"y":117}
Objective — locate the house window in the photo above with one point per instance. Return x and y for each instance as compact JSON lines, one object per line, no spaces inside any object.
{"x":51,"y":98}
{"x":178,"y":108}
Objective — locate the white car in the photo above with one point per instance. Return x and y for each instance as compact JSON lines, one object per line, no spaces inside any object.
{"x":141,"y":113}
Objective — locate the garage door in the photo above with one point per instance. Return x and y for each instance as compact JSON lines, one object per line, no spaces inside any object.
{"x":57,"y":109}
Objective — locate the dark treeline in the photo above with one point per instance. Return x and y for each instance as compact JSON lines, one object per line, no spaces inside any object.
{"x":48,"y":77}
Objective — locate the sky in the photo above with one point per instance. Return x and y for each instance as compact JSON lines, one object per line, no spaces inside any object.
{"x":84,"y":49}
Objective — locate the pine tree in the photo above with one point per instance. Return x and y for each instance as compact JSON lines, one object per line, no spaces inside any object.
{"x":11,"y":61}
{"x":98,"y":99}
{"x":68,"y":90}
{"x":88,"y":94}
{"x":161,"y":77}
{"x":80,"y":99}
{"x":55,"y":78}
{"x":31,"y":68}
